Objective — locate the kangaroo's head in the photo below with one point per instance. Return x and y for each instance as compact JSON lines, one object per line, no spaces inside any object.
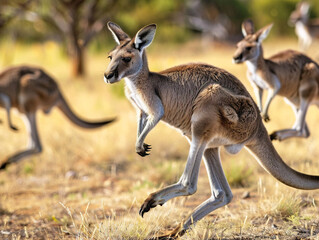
{"x":300,"y":13}
{"x":126,"y":59}
{"x":249,"y":47}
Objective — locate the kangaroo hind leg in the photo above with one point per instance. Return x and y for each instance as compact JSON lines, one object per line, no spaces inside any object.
{"x":34,"y":145}
{"x":6,"y":102}
{"x":308,"y":90}
{"x":186,"y":185}
{"x":221,"y":194}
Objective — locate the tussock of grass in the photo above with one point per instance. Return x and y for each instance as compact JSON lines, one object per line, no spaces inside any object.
{"x":238,"y":174}
{"x":167,"y":172}
{"x":288,"y":206}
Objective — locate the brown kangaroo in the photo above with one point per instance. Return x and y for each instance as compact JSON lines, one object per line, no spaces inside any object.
{"x":210,"y":106}
{"x":305,"y":28}
{"x":29,"y":89}
{"x":289,"y":74}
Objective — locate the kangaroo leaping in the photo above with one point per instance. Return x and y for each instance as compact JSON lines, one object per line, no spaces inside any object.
{"x":305,"y":28}
{"x":29,"y":89}
{"x":289,"y":74}
{"x":210,"y":106}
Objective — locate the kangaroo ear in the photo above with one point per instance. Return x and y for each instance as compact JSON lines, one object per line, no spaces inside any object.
{"x":144,"y":37}
{"x":118,"y":34}
{"x":247,"y":27}
{"x":304,"y":8}
{"x":263,"y":33}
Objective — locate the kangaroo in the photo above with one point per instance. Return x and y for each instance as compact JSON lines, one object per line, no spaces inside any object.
{"x":305,"y":29}
{"x":210,"y":106}
{"x":289,"y":74}
{"x":29,"y":89}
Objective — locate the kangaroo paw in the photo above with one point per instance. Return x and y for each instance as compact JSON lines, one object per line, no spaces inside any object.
{"x":14,"y":128}
{"x":274,"y":136}
{"x":4,"y":165}
{"x":170,"y":235}
{"x":266,"y":118}
{"x":147,"y":205}
{"x":144,"y":151}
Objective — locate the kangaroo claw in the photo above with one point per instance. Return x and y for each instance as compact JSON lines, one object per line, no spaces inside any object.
{"x":144,"y":151}
{"x":4,"y":165}
{"x":274,"y":136}
{"x":266,"y":118}
{"x":147,"y":205}
{"x":14,"y":128}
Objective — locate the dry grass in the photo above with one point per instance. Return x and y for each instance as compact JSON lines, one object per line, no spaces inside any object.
{"x":90,"y":184}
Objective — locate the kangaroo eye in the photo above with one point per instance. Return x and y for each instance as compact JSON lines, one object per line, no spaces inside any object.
{"x":248,"y":48}
{"x":126,"y":59}
{"x":110,"y":57}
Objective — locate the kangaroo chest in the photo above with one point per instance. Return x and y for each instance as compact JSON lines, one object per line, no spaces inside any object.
{"x":133,"y":95}
{"x":259,"y":81}
{"x":302,"y":31}
{"x":255,"y":77}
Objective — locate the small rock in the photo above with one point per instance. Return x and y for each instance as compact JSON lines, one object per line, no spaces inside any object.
{"x":5,"y":232}
{"x":70,"y":174}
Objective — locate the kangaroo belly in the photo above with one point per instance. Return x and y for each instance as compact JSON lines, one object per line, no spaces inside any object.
{"x":179,"y":119}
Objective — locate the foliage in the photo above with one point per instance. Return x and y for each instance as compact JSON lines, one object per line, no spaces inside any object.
{"x":236,"y":10}
{"x":170,"y":15}
{"x":264,"y":12}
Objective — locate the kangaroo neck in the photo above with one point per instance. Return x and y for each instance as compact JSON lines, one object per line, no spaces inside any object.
{"x":142,"y":73}
{"x":257,"y":63}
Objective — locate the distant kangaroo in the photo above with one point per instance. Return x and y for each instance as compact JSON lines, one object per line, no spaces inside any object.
{"x":305,"y":29}
{"x":29,"y":89}
{"x":289,"y":74}
{"x":210,"y":106}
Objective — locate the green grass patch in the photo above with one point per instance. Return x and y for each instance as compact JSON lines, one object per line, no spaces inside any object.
{"x":238,"y":174}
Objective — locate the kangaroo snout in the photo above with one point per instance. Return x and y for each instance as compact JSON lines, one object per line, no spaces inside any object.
{"x":238,"y":58}
{"x":110,"y":77}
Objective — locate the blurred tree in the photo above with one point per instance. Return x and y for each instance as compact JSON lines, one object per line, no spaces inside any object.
{"x":76,"y":22}
{"x":214,"y":17}
{"x":9,"y":10}
{"x":264,"y":12}
{"x":273,"y":11}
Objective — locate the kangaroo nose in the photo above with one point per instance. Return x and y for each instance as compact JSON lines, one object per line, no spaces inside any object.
{"x":238,"y":58}
{"x":108,"y":76}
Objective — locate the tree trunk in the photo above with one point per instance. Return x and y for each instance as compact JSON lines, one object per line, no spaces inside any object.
{"x":78,"y":65}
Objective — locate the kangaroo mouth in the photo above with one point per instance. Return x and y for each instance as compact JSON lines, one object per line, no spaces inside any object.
{"x":111,"y":77}
{"x":111,"y":80}
{"x":238,"y":59}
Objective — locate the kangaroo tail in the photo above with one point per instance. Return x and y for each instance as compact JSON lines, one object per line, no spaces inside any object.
{"x":64,"y":107}
{"x":267,"y":156}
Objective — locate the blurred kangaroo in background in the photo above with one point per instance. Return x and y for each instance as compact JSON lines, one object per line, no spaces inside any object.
{"x":209,"y":106}
{"x":290,"y":74}
{"x":305,"y":29}
{"x":29,"y":89}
